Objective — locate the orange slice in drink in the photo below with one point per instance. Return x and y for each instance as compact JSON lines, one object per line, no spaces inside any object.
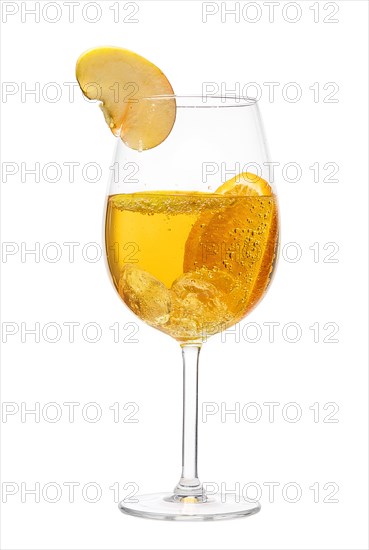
{"x":238,"y":238}
{"x":245,"y":184}
{"x":122,"y":81}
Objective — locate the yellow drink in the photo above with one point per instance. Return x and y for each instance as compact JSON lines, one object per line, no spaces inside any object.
{"x":191,"y":264}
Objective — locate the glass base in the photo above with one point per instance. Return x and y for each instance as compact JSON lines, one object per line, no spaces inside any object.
{"x":164,"y":506}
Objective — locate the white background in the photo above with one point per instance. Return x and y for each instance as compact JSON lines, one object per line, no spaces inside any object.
{"x":148,"y":372}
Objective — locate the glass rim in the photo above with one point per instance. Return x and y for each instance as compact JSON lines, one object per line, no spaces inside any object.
{"x":198,"y":101}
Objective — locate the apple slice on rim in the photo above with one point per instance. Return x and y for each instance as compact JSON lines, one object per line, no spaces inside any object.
{"x":124,"y":81}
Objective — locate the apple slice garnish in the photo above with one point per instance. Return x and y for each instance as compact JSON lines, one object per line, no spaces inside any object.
{"x":123,"y":81}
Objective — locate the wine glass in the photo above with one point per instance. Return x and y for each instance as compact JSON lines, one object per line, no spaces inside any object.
{"x":191,"y":242}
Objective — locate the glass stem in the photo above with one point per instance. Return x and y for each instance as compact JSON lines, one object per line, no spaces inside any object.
{"x":189,"y":485}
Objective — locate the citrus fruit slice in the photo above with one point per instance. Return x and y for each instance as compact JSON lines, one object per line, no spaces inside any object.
{"x":238,"y":238}
{"x":123,"y":81}
{"x":245,"y":184}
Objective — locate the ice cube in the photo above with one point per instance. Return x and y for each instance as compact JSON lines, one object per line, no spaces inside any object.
{"x":198,"y":308}
{"x":145,"y":295}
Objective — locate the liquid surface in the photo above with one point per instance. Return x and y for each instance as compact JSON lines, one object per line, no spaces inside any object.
{"x":191,"y":264}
